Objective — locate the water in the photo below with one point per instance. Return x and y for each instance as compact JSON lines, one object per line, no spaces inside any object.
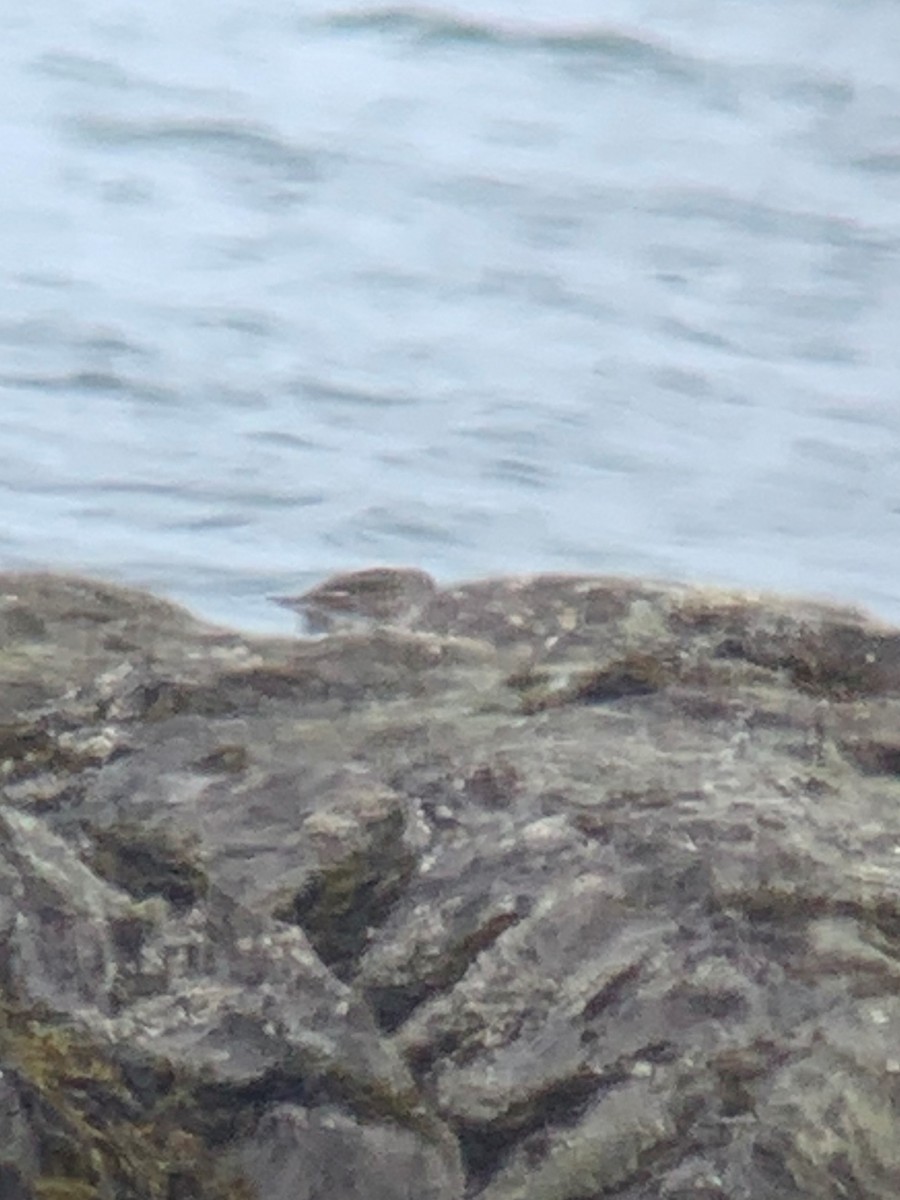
{"x":293,"y":287}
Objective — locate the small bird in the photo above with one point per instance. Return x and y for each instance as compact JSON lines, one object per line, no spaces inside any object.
{"x":360,"y":600}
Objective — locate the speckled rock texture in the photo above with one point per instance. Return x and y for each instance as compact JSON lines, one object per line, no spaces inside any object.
{"x":531,"y":889}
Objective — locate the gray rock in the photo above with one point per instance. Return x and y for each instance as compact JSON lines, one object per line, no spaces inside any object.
{"x":531,"y":889}
{"x":305,"y":1153}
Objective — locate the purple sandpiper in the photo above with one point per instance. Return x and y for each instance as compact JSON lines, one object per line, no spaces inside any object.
{"x":360,"y":600}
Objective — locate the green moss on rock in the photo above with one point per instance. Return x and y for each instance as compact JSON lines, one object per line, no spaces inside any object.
{"x":343,"y":901}
{"x":150,"y":862}
{"x":99,"y":1138}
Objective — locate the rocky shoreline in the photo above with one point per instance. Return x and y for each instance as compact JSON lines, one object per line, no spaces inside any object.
{"x":555,"y":888}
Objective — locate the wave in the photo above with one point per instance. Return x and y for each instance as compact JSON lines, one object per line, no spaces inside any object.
{"x":427,"y":25}
{"x":248,"y":141}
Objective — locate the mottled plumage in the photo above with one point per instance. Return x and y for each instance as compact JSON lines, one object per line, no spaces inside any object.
{"x":362,"y":599}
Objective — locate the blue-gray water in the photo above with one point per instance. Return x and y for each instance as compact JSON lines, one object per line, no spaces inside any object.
{"x":293,"y":286}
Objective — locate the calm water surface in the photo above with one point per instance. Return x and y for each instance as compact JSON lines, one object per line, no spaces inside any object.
{"x":292,"y":287}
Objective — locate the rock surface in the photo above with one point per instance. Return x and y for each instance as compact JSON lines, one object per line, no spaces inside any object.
{"x":557,"y":888}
